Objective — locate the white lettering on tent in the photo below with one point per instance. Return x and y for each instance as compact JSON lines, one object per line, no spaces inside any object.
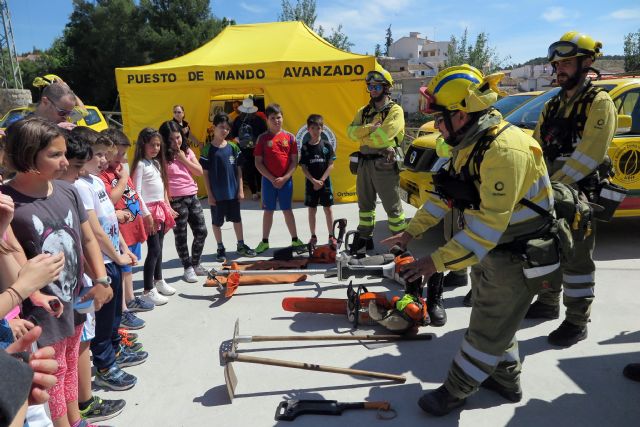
{"x":323,"y":71}
{"x":151,"y":78}
{"x":239,"y":74}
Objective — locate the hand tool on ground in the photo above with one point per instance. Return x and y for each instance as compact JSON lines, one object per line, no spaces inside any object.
{"x":289,"y":409}
{"x":239,"y":339}
{"x":232,"y":381}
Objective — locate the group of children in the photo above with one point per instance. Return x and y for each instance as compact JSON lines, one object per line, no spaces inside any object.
{"x":276,"y":158}
{"x":73,"y":195}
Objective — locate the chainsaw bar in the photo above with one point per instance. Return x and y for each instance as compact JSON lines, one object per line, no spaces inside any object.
{"x":315,"y":305}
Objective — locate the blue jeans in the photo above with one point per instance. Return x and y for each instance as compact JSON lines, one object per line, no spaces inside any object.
{"x":107,"y":339}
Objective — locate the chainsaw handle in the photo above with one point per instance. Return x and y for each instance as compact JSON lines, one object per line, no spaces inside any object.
{"x":383,"y":406}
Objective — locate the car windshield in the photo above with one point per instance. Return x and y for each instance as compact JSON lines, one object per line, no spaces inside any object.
{"x":12,"y":116}
{"x":510,"y":103}
{"x":527,"y":115}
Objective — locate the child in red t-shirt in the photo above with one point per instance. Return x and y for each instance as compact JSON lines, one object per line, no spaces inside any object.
{"x":276,"y":157}
{"x":132,"y":215}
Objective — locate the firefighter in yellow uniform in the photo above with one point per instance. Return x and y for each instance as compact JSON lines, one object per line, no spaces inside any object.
{"x":575,"y":129}
{"x":379,"y":129}
{"x":497,"y":180}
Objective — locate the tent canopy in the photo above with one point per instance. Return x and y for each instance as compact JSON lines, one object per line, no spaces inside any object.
{"x":286,"y":62}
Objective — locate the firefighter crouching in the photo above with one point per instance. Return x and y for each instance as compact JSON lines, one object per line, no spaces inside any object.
{"x":575,"y":129}
{"x":379,"y":129}
{"x":495,"y":168}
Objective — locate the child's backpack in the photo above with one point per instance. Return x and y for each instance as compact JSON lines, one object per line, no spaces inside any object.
{"x":245,"y":134}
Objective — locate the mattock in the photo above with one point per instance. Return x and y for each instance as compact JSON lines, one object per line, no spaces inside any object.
{"x":231,"y":380}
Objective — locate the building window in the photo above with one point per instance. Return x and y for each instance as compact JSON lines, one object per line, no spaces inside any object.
{"x":401,"y":68}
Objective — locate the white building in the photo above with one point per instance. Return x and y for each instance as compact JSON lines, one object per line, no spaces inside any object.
{"x":418,"y":50}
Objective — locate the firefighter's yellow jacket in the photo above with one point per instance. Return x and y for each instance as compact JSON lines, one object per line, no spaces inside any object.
{"x":374,"y":138}
{"x":600,"y":126}
{"x":512,"y":168}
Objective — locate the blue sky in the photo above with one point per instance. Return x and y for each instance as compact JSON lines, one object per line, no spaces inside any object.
{"x":519,"y":29}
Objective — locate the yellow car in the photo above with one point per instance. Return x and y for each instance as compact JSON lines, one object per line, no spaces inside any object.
{"x":94,"y":120}
{"x":421,"y":155}
{"x":624,"y":149}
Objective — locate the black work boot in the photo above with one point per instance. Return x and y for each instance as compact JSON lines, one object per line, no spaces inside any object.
{"x":567,"y":334}
{"x":452,"y":280}
{"x":439,"y":402}
{"x":435,"y":306}
{"x":509,"y":394}
{"x":467,"y":302}
{"x":632,"y":371}
{"x":360,"y":246}
{"x":539,"y":310}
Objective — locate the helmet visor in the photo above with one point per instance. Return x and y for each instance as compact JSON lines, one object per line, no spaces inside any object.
{"x":429,"y":102}
{"x":562,"y":49}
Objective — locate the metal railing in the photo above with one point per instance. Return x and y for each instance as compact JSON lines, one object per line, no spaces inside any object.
{"x":113,"y":118}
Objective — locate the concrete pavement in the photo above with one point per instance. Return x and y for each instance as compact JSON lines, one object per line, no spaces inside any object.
{"x":182,"y":382}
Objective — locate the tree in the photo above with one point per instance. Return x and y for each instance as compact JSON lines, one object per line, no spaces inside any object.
{"x":102,"y":35}
{"x":632,"y":52}
{"x":378,"y":50}
{"x":481,"y":55}
{"x":305,"y":11}
{"x":388,"y":40}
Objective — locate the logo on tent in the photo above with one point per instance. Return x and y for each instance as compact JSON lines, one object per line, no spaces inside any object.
{"x":302,"y":136}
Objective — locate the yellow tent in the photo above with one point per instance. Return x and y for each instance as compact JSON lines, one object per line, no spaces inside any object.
{"x":286,"y":62}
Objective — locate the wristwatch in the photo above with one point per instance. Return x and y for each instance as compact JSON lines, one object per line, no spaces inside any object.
{"x":104,"y":281}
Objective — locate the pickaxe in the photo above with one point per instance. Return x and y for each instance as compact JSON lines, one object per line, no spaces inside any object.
{"x":231,"y":380}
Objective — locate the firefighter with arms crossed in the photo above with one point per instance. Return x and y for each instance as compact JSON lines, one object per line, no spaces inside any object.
{"x":575,"y":129}
{"x":379,"y":129}
{"x":494,"y":169}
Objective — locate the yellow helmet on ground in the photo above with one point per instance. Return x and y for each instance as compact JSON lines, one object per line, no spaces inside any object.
{"x":379,"y":75}
{"x":574,"y":44}
{"x":463,"y":88}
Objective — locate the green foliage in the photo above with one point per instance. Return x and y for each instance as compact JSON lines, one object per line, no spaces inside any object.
{"x":305,"y":11}
{"x":632,"y":52}
{"x":480,"y":55}
{"x":102,"y":35}
{"x":388,"y":40}
{"x":378,"y":50}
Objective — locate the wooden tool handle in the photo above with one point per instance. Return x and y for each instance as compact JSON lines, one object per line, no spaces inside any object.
{"x":385,"y":406}
{"x":263,"y":338}
{"x":311,"y":367}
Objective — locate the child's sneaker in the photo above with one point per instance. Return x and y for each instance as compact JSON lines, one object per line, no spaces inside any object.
{"x":131,"y":345}
{"x":245,"y":250}
{"x":189,"y":275}
{"x":164,"y":288}
{"x":313,"y":241}
{"x":262,"y":247}
{"x":333,"y":242}
{"x":115,"y":379}
{"x":221,"y":255}
{"x":138,"y":304}
{"x":126,"y":357}
{"x":133,"y":337}
{"x":154,"y":297}
{"x":131,"y":321}
{"x":102,"y":409}
{"x":299,"y":246}
{"x":200,"y":270}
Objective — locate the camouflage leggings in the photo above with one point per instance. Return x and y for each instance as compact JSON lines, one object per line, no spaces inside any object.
{"x":189,"y":212}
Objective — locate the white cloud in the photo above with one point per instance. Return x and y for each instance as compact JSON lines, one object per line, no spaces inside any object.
{"x":625,"y":14}
{"x":251,"y":8}
{"x":553,"y":14}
